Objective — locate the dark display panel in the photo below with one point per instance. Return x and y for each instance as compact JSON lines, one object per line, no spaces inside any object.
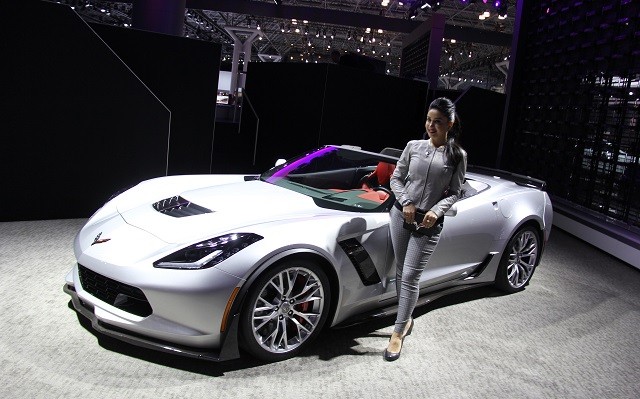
{"x":414,"y":58}
{"x":574,"y":113}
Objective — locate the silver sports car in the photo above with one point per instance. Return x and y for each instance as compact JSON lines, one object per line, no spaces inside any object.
{"x":204,"y":265}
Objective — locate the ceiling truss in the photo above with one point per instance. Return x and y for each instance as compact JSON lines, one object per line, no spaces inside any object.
{"x":309,"y":30}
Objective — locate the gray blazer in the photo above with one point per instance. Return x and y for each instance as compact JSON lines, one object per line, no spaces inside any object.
{"x":422,"y":176}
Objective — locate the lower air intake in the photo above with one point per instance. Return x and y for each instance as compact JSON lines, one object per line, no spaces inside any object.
{"x":122,"y":296}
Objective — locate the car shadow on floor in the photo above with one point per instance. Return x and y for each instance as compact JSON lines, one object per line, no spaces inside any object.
{"x":331,"y":344}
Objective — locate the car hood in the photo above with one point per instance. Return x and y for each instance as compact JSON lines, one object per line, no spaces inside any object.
{"x":233,"y":207}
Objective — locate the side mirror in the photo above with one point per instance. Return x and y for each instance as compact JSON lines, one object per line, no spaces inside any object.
{"x":280,"y":161}
{"x":452,"y":211}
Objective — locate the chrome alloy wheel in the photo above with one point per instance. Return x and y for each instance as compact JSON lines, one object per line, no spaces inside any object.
{"x":287,"y":310}
{"x":523,"y":254}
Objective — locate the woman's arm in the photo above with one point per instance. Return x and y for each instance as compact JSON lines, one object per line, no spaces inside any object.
{"x":457,"y":179}
{"x":399,"y":177}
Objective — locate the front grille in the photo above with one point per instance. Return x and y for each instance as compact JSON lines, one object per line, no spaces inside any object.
{"x":179,"y":207}
{"x":122,"y":296}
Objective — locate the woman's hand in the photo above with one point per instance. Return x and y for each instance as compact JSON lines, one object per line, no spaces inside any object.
{"x":409,"y":213}
{"x":429,"y":219}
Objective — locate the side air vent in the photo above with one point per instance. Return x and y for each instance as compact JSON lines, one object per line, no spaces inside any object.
{"x":361,"y":260}
{"x":179,"y":207}
{"x":122,"y":296}
{"x":481,"y":266}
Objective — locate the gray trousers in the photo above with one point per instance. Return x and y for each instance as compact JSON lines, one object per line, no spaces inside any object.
{"x":412,"y":252}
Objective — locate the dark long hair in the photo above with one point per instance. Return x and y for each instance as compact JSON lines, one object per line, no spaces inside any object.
{"x":453,"y":151}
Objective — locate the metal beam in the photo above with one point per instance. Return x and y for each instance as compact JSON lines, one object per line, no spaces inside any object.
{"x":474,"y":35}
{"x":322,"y":15}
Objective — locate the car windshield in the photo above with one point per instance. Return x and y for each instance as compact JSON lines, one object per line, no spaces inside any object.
{"x":335,"y":178}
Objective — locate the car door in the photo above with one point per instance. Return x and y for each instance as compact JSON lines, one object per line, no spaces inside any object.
{"x":466,"y":238}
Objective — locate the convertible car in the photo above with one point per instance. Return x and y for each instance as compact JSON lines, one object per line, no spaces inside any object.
{"x":206,"y":265}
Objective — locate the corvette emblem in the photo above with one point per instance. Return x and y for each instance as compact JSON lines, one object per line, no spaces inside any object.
{"x":97,"y":240}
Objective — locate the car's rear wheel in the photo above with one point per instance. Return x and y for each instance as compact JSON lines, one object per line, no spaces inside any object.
{"x":519,"y":260}
{"x":286,"y":309}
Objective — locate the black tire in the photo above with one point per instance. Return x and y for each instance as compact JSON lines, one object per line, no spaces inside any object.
{"x":285,"y":310}
{"x":519,"y":260}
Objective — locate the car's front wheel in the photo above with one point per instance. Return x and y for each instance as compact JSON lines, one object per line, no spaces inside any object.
{"x":519,"y":260}
{"x":285,"y":310}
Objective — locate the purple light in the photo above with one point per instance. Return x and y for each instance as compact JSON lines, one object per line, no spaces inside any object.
{"x":306,"y":159}
{"x":497,"y":3}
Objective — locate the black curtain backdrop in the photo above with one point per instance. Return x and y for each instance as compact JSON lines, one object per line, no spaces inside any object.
{"x":302,"y":106}
{"x":481,"y":112}
{"x":78,"y":122}
{"x":183,"y":73}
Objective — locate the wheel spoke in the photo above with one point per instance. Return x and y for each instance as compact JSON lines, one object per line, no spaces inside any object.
{"x":306,"y":317}
{"x":304,"y":294}
{"x":282,"y":333}
{"x":266,"y":319}
{"x":278,"y":287}
{"x":290,"y":281}
{"x":300,"y":326}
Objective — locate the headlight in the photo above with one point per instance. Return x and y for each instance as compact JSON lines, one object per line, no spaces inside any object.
{"x":207,"y":253}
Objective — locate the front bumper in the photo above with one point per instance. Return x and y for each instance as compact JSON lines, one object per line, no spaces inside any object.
{"x":228,"y":349}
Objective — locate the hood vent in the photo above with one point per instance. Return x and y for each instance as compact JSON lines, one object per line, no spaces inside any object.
{"x":179,"y":207}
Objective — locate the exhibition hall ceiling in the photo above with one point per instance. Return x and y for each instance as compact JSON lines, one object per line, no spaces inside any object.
{"x":309,"y":30}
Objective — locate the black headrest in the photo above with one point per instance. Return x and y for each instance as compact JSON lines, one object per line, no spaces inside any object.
{"x":394,"y":152}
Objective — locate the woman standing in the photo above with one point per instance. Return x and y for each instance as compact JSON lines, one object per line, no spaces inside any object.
{"x":426,"y":182}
